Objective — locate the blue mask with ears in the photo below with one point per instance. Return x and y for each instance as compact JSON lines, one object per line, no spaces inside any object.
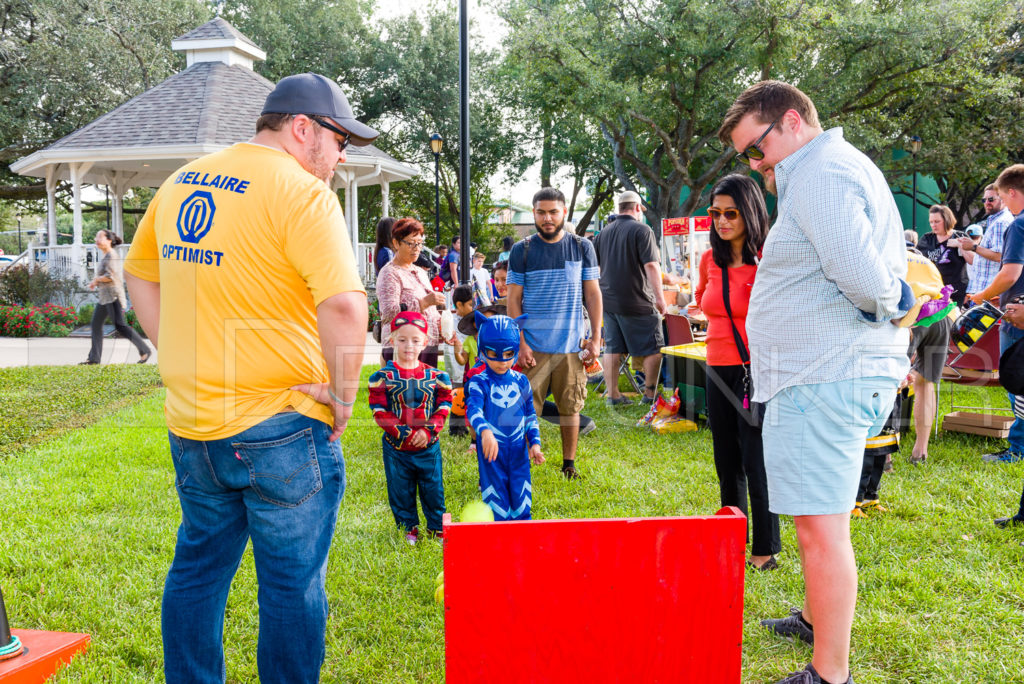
{"x":498,"y":335}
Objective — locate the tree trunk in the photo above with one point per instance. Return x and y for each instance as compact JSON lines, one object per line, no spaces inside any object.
{"x":546,"y":152}
{"x":602,"y":192}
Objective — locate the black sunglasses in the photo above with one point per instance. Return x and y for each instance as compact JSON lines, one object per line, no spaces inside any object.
{"x":753,"y":151}
{"x":342,"y":144}
{"x":989,"y":199}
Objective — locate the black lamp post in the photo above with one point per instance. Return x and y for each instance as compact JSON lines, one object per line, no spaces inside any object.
{"x":915,"y":147}
{"x":436,"y":143}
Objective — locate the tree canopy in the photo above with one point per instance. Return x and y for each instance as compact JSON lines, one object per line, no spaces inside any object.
{"x":615,"y":94}
{"x":656,"y":77}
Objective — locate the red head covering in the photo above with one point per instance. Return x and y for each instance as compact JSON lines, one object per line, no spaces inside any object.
{"x":414,"y":318}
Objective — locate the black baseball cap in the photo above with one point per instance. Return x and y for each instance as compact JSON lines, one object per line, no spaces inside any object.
{"x":318,"y":95}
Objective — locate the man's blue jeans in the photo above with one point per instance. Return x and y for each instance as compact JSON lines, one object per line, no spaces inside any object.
{"x":1007,"y":336}
{"x":280,"y":484}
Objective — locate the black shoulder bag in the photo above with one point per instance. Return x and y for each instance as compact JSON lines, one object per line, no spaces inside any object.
{"x":756,"y":409}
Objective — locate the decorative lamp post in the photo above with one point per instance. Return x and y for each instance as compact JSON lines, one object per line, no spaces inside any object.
{"x":436,"y":143}
{"x":915,"y":147}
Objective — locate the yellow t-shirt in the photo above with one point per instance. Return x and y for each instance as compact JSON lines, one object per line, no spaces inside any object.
{"x":245,"y":244}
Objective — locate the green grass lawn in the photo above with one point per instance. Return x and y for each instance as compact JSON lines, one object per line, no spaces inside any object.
{"x":89,"y":517}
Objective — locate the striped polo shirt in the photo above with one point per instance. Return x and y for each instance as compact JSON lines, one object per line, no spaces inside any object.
{"x":552,"y":276}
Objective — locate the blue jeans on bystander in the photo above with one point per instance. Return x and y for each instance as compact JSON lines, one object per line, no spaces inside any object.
{"x":1007,"y":336}
{"x":278,"y":483}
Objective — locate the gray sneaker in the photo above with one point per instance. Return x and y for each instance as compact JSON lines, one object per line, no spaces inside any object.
{"x":618,"y":401}
{"x":1004,"y":456}
{"x":808,"y":675}
{"x":792,"y":626}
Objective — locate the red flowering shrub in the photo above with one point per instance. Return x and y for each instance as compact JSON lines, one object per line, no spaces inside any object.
{"x":22,"y":321}
{"x":51,"y":320}
{"x":59,"y":315}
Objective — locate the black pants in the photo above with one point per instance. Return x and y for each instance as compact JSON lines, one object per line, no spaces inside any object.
{"x":739,"y":457}
{"x":871,"y":474}
{"x":116,"y":313}
{"x":878,"y":448}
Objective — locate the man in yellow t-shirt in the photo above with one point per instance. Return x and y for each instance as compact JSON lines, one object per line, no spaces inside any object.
{"x":242,"y":272}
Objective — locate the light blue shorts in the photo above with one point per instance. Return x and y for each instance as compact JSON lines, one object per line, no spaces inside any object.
{"x":814,"y":437}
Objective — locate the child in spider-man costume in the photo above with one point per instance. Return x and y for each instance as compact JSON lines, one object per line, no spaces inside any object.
{"x":499,"y":406}
{"x":410,"y":402}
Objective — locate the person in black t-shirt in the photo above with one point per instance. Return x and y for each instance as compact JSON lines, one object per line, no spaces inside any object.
{"x":631,"y":289}
{"x":942,"y":248}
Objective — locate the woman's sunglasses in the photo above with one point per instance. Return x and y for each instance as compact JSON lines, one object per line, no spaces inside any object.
{"x":731,"y":214}
{"x":753,"y":151}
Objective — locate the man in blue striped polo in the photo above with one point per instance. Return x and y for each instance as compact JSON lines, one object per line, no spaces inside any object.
{"x":550,"y":276}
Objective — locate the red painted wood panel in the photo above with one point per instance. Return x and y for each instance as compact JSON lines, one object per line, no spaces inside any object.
{"x":46,"y":653}
{"x":620,"y":600}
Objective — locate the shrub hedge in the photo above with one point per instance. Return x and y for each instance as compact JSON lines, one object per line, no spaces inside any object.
{"x":48,"y":320}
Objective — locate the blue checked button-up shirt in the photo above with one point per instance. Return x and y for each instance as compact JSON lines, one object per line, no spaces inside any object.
{"x":984,"y":271}
{"x":831,"y":274}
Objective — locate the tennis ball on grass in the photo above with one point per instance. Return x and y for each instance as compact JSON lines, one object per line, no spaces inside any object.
{"x":476,"y":511}
{"x":439,"y":580}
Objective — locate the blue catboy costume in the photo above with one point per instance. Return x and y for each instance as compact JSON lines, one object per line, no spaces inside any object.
{"x":503,"y":404}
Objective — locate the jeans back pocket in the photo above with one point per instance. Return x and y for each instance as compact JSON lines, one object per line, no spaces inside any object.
{"x":284,"y":471}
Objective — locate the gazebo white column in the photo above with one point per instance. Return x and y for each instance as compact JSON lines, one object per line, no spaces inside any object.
{"x":353,"y":217}
{"x":77,"y":260}
{"x":118,"y":183}
{"x":51,"y":204}
{"x":385,"y":197}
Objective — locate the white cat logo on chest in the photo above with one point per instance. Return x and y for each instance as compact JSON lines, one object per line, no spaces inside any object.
{"x":505,"y":396}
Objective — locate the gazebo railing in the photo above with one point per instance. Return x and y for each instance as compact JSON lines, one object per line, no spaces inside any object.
{"x":59,"y":259}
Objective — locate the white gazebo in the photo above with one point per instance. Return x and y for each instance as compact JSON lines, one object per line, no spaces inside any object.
{"x":212,"y":104}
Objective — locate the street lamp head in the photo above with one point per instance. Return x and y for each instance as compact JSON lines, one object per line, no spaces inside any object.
{"x":915,"y":144}
{"x":436,"y":143}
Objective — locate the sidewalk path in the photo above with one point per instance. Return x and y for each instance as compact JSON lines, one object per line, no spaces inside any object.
{"x":68,"y":351}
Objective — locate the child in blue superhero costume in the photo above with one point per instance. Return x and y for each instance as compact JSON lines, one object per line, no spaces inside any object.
{"x":499,"y":406}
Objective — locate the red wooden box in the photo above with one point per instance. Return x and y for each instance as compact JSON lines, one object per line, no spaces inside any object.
{"x":619,"y":600}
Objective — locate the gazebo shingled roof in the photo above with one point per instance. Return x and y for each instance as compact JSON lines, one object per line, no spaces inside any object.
{"x":216,"y":28}
{"x":212,"y":104}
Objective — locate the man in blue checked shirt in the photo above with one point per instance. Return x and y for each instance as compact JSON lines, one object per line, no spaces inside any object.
{"x":825,"y":356}
{"x":986,"y":254}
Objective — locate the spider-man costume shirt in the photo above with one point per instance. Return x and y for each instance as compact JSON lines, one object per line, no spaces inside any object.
{"x":404,"y":400}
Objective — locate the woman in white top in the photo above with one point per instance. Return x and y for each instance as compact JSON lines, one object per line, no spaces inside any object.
{"x":403,"y":286}
{"x":109,"y":286}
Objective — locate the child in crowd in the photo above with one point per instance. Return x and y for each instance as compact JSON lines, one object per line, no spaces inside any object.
{"x":480,"y":279}
{"x":499,"y":285}
{"x":410,"y":402}
{"x":499,"y":406}
{"x":454,"y":356}
{"x":877,"y":450}
{"x":469,"y":355}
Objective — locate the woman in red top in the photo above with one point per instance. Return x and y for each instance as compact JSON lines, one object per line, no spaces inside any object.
{"x":741,"y":225}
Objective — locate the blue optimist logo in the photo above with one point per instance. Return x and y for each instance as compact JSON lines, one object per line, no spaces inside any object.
{"x":196,"y":216}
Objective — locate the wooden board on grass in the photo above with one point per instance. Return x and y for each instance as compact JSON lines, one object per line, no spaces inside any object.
{"x":985,"y":424}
